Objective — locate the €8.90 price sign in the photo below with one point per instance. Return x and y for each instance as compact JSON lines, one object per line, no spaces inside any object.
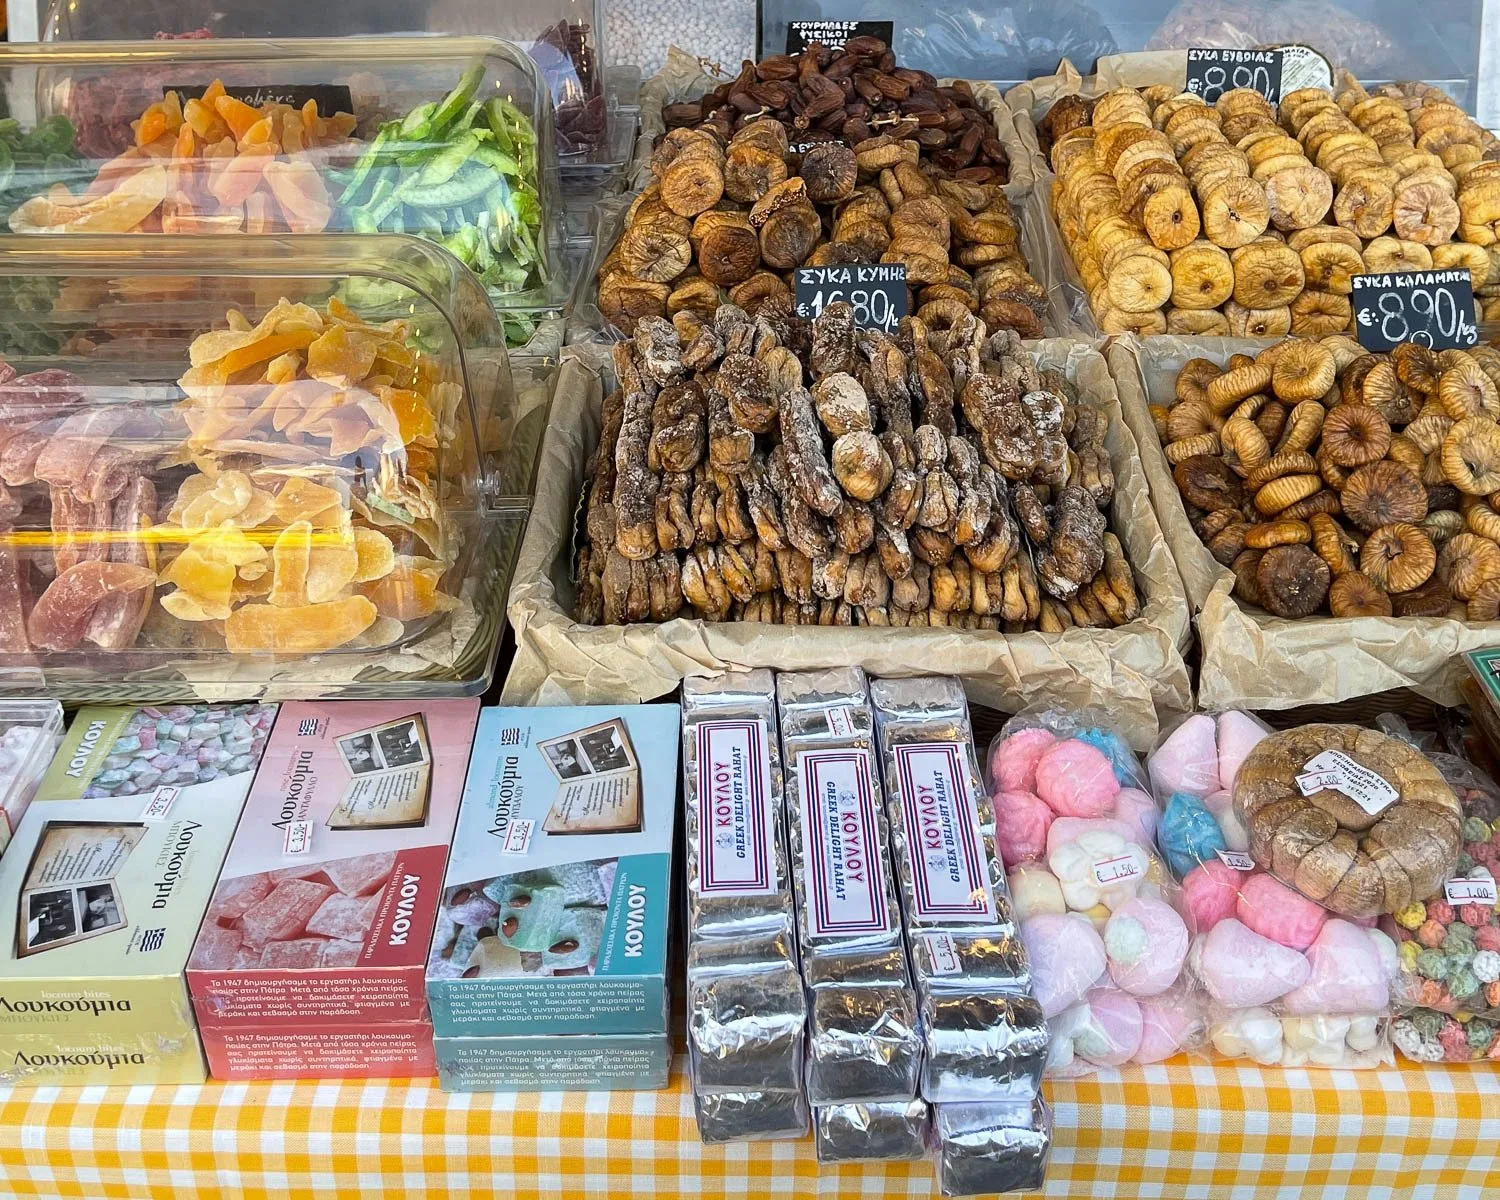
{"x":1431,"y":308}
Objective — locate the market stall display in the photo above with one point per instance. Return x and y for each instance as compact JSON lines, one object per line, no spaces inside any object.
{"x":447,"y":139}
{"x":218,"y":480}
{"x":1242,"y":219}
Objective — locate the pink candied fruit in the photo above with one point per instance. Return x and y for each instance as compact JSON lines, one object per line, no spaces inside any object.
{"x":1487,"y":937}
{"x":1440,"y":910}
{"x":1431,"y":934}
{"x":1475,"y":915}
{"x":1455,"y":1042}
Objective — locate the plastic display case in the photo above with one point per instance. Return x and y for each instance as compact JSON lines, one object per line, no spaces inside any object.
{"x":564,"y":37}
{"x":279,"y":467}
{"x":29,"y":732}
{"x":1013,"y":40}
{"x":446,"y":138}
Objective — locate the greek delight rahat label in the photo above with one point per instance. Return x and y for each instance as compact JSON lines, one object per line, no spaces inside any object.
{"x":950,"y":881}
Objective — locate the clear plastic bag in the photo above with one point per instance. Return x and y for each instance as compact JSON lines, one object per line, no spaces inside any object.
{"x":1075,"y":826}
{"x":1284,"y":982}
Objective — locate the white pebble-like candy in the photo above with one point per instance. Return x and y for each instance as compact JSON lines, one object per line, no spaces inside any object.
{"x":639,"y":32}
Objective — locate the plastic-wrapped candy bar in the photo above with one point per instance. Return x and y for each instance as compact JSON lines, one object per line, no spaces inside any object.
{"x":731,"y":766}
{"x":999,"y":1146}
{"x":862,"y":1039}
{"x":985,"y":1036}
{"x":746,"y":1015}
{"x":746,"y":1009}
{"x":854,"y":1132}
{"x":750,"y":1116}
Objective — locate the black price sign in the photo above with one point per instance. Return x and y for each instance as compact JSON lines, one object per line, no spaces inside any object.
{"x":1211,"y":73}
{"x":1431,"y":308}
{"x":876,"y":293}
{"x":833,"y":34}
{"x":331,"y":97}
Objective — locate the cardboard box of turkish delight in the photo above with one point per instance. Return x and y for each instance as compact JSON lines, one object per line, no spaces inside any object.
{"x":556,"y":899}
{"x":327,"y":900}
{"x":105,"y":884}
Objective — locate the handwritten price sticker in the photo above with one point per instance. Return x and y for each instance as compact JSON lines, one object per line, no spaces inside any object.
{"x":1235,"y":860}
{"x":1431,"y":308}
{"x":1117,"y":870}
{"x":298,"y":838}
{"x":1471,"y":891}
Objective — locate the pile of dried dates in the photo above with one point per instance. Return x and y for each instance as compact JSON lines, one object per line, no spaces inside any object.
{"x":1233,"y":219}
{"x":730,"y":223}
{"x":1330,"y":479}
{"x":854,"y":95}
{"x":772,"y":469}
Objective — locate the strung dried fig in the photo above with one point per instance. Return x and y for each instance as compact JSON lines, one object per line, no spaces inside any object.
{"x":1292,"y":581}
{"x":861,"y":465}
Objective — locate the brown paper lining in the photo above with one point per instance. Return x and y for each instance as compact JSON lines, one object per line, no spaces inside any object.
{"x":1134,"y":671}
{"x":1250,"y":659}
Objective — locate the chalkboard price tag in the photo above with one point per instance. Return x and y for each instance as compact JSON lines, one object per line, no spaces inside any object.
{"x":1431,"y":308}
{"x":1211,"y":73}
{"x":833,"y":34}
{"x":331,"y":97}
{"x":877,"y":293}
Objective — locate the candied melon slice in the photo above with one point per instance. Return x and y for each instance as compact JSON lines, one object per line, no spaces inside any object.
{"x":304,"y":629}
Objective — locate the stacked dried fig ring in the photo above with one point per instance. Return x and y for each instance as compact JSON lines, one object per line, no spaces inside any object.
{"x":1357,"y":859}
{"x":730,"y":222}
{"x":1233,"y":219}
{"x":1328,"y":478}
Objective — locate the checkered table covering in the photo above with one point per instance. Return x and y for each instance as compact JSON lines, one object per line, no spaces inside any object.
{"x":1181,"y":1130}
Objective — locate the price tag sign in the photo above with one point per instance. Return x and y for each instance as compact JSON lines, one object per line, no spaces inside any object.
{"x":877,"y":293}
{"x":1117,"y":869}
{"x":1236,"y":860}
{"x":833,"y":34}
{"x":331,"y":97}
{"x":1431,"y":308}
{"x":1470,"y":891}
{"x":1211,"y":73}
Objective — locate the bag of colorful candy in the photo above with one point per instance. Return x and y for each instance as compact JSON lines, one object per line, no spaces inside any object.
{"x":1075,"y":824}
{"x":1284,"y":981}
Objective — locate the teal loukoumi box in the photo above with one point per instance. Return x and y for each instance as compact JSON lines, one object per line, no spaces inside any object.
{"x":622,"y":1062}
{"x":557,"y":896}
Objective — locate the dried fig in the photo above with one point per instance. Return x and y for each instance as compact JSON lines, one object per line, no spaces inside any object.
{"x":830,"y":172}
{"x":1355,"y":594}
{"x":1399,"y":557}
{"x":1292,"y":581}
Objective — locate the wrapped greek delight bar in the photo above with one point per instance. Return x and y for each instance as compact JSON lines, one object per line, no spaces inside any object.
{"x":863,"y":1042}
{"x":750,"y":1116}
{"x":984,"y":1035}
{"x":746,"y":1008}
{"x":853,"y":1132}
{"x":997,"y":1146}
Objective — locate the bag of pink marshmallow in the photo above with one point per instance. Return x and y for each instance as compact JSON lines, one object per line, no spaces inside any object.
{"x":1284,"y":982}
{"x":1075,"y":826}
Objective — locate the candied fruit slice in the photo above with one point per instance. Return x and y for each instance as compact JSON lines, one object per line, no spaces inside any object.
{"x":262,"y":350}
{"x":13,"y":638}
{"x":413,"y":416}
{"x":302,"y":499}
{"x":377,"y":557}
{"x":228,"y":497}
{"x":284,"y":368}
{"x":238,"y":115}
{"x":152,"y":124}
{"x":238,"y":177}
{"x":189,"y":490}
{"x":261,"y":508}
{"x":290,"y":560}
{"x":204,"y":121}
{"x":116,"y":621}
{"x":299,"y":191}
{"x":331,"y":565}
{"x":306,"y":629}
{"x":202,"y":578}
{"x":407,"y":593}
{"x":341,"y":357}
{"x":62,"y":612}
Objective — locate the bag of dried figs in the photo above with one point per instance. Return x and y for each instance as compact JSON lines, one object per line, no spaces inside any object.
{"x":1075,"y":824}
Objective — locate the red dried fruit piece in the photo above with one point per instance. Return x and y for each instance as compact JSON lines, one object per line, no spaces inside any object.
{"x":13,"y":639}
{"x":62,"y":612}
{"x":117,"y":619}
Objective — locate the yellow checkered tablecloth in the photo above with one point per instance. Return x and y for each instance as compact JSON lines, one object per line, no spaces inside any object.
{"x":1181,"y":1130}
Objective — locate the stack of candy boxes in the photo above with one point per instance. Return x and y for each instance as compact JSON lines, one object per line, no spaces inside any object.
{"x":1150,"y":930}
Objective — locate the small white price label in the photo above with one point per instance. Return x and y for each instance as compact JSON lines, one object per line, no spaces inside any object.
{"x":1236,"y":860}
{"x":1117,"y":870}
{"x":841,"y":722}
{"x":160,"y":803}
{"x":298,"y":838}
{"x":944,"y":950}
{"x":518,"y":836}
{"x":1470,"y":891}
{"x":1336,"y":771}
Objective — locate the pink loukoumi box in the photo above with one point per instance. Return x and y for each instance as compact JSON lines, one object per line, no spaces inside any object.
{"x":326,"y":904}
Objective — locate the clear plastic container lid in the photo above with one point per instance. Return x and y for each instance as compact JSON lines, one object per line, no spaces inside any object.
{"x":29,"y":733}
{"x":446,"y":138}
{"x":252,"y":467}
{"x":1020,"y":39}
{"x":564,"y":37}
